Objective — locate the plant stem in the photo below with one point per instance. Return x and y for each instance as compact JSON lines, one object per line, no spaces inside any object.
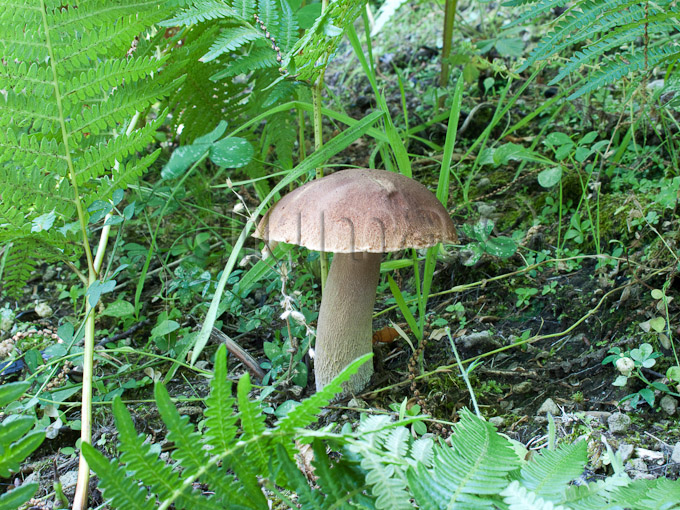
{"x":449,"y":16}
{"x":318,"y":143}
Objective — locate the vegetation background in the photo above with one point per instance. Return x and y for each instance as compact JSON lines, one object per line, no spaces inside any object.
{"x":141,"y":141}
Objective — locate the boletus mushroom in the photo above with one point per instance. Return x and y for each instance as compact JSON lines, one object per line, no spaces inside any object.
{"x":356,"y":214}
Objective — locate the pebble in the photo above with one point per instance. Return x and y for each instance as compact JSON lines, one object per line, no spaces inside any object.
{"x":523,"y":387}
{"x":675,"y":456}
{"x":618,"y":422}
{"x":625,"y":451}
{"x":669,"y":405}
{"x":549,"y":407}
{"x":43,"y":310}
{"x":649,"y":455}
{"x":499,"y":421}
{"x":68,"y":480}
{"x":599,"y":415}
{"x":478,"y":338}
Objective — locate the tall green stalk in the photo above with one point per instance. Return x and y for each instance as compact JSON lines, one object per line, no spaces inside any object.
{"x":449,"y":17}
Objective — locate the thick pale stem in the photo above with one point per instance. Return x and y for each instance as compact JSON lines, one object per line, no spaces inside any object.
{"x":344,"y":329}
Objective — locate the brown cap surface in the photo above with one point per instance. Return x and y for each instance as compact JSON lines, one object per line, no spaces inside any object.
{"x":359,"y":210}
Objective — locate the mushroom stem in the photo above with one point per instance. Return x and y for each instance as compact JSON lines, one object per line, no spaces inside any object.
{"x":344,"y":328}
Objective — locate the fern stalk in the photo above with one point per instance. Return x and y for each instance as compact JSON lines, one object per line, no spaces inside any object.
{"x":80,"y":498}
{"x":449,"y":17}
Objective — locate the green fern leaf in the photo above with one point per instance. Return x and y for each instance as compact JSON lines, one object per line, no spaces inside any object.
{"x":144,"y":464}
{"x":519,"y":498}
{"x":664,"y":494}
{"x":268,"y":14}
{"x":244,"y":9}
{"x":309,"y":499}
{"x":229,"y":40}
{"x":117,"y":489}
{"x":182,"y":433}
{"x":288,"y":28}
{"x":200,"y":104}
{"x":220,"y":419}
{"x":476,"y":465}
{"x":554,"y":468}
{"x":252,"y":423}
{"x":202,"y":10}
{"x":306,"y":413}
{"x":258,"y":58}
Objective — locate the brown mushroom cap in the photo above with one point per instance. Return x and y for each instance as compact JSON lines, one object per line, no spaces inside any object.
{"x":359,"y":210}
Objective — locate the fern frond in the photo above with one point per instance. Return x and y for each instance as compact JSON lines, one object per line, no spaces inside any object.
{"x":96,"y":160}
{"x":664,"y":493}
{"x":519,"y":498}
{"x":306,"y":413}
{"x":268,"y":13}
{"x":244,"y":9}
{"x":252,"y":422}
{"x":308,"y":498}
{"x":18,"y":268}
{"x":74,"y":83}
{"x":220,"y":419}
{"x":201,"y":104}
{"x":620,"y":66}
{"x":258,"y":58}
{"x":288,"y":28}
{"x":116,"y":488}
{"x":554,"y":468}
{"x":141,"y":461}
{"x":615,"y":28}
{"x":476,"y":465}
{"x":314,"y":49}
{"x":229,"y":40}
{"x":202,"y":10}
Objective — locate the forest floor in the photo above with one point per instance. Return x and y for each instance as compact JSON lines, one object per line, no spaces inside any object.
{"x":540,"y":334}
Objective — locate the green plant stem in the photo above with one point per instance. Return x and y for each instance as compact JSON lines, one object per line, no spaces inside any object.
{"x":80,"y":498}
{"x":464,"y":374}
{"x":318,"y":143}
{"x":449,"y":17}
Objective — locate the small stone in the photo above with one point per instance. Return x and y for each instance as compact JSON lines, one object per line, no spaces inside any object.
{"x":484,"y":182}
{"x":478,"y":339}
{"x":49,"y":274}
{"x":669,"y":405}
{"x":649,"y":455}
{"x":523,"y":387}
{"x":637,"y":465}
{"x":618,"y":422}
{"x":603,"y":416}
{"x":499,"y":421}
{"x":357,"y":403}
{"x":626,"y":452}
{"x":675,"y":456}
{"x":68,"y":480}
{"x":549,"y":407}
{"x":486,"y":210}
{"x":507,"y":405}
{"x":43,"y":310}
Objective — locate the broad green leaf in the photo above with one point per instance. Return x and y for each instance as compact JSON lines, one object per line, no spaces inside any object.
{"x":231,"y":152}
{"x":164,"y":328}
{"x":550,"y":176}
{"x":501,"y":246}
{"x":9,"y":392}
{"x":120,"y":308}
{"x":16,"y":497}
{"x":182,"y":158}
{"x":43,"y":222}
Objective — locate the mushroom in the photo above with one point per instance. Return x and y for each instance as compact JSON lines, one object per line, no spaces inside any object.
{"x":356,"y":214}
